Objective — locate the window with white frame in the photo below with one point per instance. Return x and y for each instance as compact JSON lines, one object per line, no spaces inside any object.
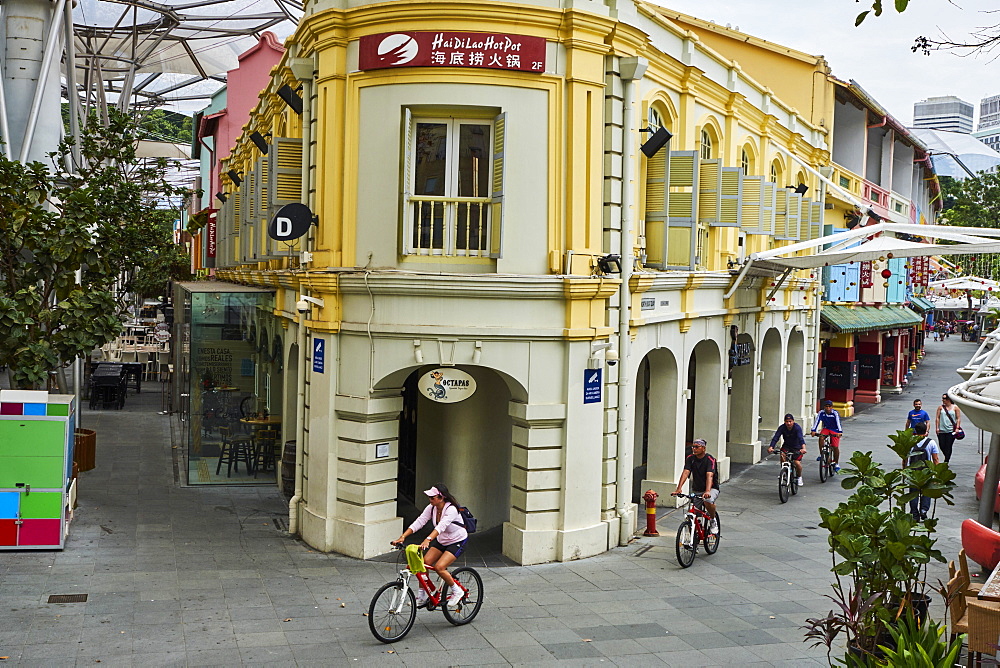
{"x":454,"y":177}
{"x":706,"y":145}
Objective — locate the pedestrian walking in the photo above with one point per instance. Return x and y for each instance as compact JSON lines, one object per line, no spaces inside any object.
{"x":947,"y":423}
{"x":923,"y":451}
{"x":917,"y":415}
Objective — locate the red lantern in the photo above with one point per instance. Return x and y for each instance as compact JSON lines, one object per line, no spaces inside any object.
{"x":886,"y":273}
{"x":889,"y":255}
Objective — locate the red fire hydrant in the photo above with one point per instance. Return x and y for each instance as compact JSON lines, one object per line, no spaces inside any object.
{"x":650,"y":498}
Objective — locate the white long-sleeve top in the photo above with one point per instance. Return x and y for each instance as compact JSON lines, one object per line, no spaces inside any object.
{"x":449,"y":532}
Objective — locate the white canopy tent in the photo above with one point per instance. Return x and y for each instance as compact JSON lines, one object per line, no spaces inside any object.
{"x":964,"y":283}
{"x":873,"y":242}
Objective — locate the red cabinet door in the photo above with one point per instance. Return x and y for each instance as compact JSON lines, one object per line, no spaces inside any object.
{"x":40,"y":532}
{"x":8,"y":532}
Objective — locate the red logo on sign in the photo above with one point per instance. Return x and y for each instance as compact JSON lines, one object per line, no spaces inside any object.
{"x":452,"y":49}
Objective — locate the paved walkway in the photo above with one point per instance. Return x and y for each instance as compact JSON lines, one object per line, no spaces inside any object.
{"x":205,"y":576}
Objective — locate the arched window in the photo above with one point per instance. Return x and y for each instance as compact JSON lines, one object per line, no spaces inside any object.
{"x":706,"y":145}
{"x":745,"y":162}
{"x":776,"y":173}
{"x":653,"y":119}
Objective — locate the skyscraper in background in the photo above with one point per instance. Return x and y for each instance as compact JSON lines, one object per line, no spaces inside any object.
{"x":988,"y":131}
{"x":948,"y":113}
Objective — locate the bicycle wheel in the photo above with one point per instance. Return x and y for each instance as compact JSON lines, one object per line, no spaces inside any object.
{"x":712,"y":539}
{"x":824,"y":471}
{"x":687,"y":543}
{"x":468,"y":607}
{"x":783,"y":485}
{"x":386,"y":624}
{"x":793,"y":481}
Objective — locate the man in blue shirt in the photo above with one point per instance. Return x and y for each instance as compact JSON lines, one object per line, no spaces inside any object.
{"x":828,"y":424}
{"x":917,"y":416}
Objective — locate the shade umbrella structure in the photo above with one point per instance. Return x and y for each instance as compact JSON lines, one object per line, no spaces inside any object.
{"x":964,"y":283}
{"x":145,"y":53}
{"x":874,"y":242}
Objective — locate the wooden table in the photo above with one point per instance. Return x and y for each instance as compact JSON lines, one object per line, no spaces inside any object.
{"x":269,"y":421}
{"x":991,"y":590}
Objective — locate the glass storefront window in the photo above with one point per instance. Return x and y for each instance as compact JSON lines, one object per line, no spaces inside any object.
{"x":227,"y":382}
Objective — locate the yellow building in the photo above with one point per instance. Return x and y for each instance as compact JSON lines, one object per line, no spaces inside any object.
{"x":473,"y":168}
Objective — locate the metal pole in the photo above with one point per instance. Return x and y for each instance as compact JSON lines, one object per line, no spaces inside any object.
{"x":51,"y":42}
{"x":989,"y":498}
{"x":4,"y":127}
{"x":72,"y":92}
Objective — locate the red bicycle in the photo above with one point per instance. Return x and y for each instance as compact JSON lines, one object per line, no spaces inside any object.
{"x":695,"y":528}
{"x":394,"y":607}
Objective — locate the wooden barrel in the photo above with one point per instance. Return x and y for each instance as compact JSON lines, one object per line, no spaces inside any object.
{"x":288,"y":469}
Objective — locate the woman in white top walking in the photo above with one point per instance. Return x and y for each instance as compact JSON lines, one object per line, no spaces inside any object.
{"x":947,"y":422}
{"x":444,"y":543}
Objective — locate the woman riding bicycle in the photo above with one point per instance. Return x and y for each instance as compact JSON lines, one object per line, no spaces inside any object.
{"x":445,"y":543}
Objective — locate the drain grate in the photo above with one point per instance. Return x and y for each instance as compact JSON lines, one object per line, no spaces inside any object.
{"x":279,"y":523}
{"x":68,"y":598}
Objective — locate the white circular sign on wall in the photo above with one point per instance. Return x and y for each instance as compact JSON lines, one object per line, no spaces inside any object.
{"x":447,"y":386}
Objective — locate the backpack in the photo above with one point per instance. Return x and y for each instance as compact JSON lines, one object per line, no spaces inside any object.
{"x":468,"y":519}
{"x":918,"y":453}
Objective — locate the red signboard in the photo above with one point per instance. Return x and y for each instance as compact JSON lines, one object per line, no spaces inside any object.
{"x":498,"y":51}
{"x":865,"y":277}
{"x":920,"y":269}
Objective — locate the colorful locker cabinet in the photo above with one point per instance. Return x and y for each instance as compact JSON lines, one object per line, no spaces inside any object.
{"x":36,"y":468}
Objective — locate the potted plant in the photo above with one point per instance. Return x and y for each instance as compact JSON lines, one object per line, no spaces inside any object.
{"x":880,"y":551}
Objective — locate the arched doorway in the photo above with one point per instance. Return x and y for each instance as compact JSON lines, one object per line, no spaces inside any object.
{"x":795,"y":383}
{"x":290,"y":421}
{"x":656,"y":444}
{"x":771,"y":381}
{"x":704,"y":390}
{"x":742,"y":425}
{"x":465,"y":445}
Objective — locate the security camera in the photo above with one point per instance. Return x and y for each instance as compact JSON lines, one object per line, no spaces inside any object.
{"x":302,"y":306}
{"x":611,"y":356}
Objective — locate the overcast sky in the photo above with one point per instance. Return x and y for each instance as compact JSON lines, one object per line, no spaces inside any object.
{"x":877,"y":54}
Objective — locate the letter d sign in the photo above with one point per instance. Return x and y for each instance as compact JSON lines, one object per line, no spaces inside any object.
{"x":290,"y":222}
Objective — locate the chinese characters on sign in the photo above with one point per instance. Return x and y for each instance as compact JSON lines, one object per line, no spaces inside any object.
{"x":920,"y":269}
{"x":866,"y":275}
{"x":452,"y":49}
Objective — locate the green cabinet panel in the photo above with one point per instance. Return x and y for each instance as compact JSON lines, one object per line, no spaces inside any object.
{"x":41,"y":505}
{"x":39,"y":472}
{"x":32,"y":438}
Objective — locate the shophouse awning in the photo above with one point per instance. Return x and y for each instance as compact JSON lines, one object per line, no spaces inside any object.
{"x":921,"y":305}
{"x":867,"y":318}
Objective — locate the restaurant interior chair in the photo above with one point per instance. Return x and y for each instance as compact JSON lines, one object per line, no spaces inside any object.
{"x":265,"y":446}
{"x":984,"y":629}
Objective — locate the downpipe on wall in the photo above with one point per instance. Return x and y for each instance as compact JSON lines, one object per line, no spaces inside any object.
{"x":631,"y":69}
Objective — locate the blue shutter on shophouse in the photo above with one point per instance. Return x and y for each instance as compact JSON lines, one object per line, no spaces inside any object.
{"x":896,"y":292}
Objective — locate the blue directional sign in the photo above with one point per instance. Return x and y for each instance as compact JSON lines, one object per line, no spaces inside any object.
{"x":592,"y":386}
{"x":319,"y":355}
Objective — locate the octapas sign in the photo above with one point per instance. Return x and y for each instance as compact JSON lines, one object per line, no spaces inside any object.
{"x":446,"y":386}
